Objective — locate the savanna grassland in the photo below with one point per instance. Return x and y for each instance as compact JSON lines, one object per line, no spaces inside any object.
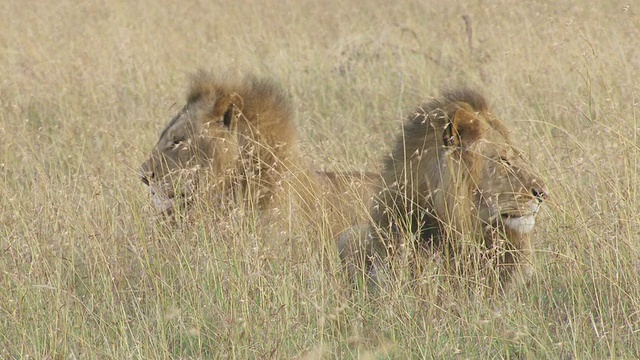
{"x":87,"y":271}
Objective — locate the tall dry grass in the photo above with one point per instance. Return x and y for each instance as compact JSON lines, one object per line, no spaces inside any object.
{"x":85,"y":88}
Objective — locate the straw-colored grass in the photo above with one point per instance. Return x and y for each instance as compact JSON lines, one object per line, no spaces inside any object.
{"x":86,"y":87}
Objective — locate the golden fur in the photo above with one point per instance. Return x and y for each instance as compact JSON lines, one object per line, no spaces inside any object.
{"x":237,"y":135}
{"x":236,"y":139}
{"x":454,"y":178}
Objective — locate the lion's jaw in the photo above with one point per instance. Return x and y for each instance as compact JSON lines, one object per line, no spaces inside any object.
{"x":522,"y":224}
{"x":163,"y":204}
{"x":526,"y":222}
{"x":522,"y":220}
{"x":166,"y":197}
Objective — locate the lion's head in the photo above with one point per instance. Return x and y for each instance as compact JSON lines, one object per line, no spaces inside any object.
{"x":229,"y":133}
{"x":455,"y":172}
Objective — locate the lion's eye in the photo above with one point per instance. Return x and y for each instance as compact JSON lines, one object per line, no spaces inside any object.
{"x":505,"y":161}
{"x":176,"y":143}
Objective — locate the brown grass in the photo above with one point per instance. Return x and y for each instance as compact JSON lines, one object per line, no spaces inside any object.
{"x":85,"y":89}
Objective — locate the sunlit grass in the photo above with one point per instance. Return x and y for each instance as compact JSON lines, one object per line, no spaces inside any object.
{"x":88,"y":272}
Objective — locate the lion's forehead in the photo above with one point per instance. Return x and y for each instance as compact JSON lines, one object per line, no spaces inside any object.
{"x":182,"y":125}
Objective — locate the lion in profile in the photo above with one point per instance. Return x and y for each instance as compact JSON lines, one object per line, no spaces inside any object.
{"x":235,"y":139}
{"x":235,"y":135}
{"x":454,"y":185}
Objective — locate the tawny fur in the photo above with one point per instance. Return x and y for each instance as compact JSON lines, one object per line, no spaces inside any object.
{"x":453,"y":175}
{"x":236,"y":138}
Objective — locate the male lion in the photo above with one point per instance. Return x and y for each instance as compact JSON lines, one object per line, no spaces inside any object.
{"x":235,"y":135}
{"x":455,"y":183}
{"x":236,"y":139}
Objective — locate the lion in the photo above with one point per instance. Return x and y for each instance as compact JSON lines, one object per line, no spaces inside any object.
{"x":453,"y":182}
{"x":237,"y":135}
{"x":235,"y":139}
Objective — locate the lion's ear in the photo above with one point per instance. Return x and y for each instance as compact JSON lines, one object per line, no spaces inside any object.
{"x":229,"y":105}
{"x":463,"y":129}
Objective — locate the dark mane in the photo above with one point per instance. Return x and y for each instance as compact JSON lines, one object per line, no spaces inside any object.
{"x":261,"y":96}
{"x":469,"y":96}
{"x":203,"y":84}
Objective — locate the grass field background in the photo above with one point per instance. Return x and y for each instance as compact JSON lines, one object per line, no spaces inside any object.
{"x":86,"y":87}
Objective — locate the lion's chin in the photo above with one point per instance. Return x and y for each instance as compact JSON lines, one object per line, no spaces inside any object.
{"x":162,"y":204}
{"x":520,"y":224}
